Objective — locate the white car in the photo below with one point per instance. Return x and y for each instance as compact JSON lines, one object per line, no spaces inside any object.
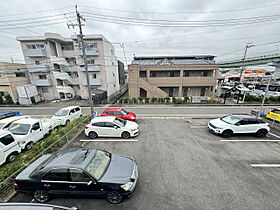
{"x":111,"y":127}
{"x":67,"y":114}
{"x":5,"y":123}
{"x":239,"y":123}
{"x":9,"y":147}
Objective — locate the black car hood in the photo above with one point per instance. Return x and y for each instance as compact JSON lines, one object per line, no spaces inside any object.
{"x":119,"y":171}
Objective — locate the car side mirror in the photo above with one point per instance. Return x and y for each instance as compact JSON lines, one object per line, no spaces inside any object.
{"x":116,"y":127}
{"x":90,"y":182}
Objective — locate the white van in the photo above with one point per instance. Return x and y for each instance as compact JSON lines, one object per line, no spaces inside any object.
{"x":67,"y":114}
{"x":9,"y":147}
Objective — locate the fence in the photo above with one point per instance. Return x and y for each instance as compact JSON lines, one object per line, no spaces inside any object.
{"x":7,"y":186}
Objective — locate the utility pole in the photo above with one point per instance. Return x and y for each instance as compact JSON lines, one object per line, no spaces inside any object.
{"x":242,"y":68}
{"x":82,"y":45}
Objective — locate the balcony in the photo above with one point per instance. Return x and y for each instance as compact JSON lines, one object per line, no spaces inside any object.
{"x":92,"y":52}
{"x":59,"y":61}
{"x":41,"y":82}
{"x":32,"y":68}
{"x":64,"y":76}
{"x":34,"y":52}
{"x":66,"y":90}
{"x":95,"y":82}
{"x":91,"y":68}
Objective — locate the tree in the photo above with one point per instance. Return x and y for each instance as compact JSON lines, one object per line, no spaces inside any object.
{"x":1,"y":100}
{"x":8,"y":99}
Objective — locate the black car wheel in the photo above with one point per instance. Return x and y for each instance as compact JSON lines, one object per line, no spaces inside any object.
{"x":41,"y":196}
{"x":125,"y":135}
{"x":114,"y":197}
{"x":92,"y":135}
{"x":11,"y":157}
{"x":28,"y":146}
{"x":261,"y":133}
{"x":227,"y":133}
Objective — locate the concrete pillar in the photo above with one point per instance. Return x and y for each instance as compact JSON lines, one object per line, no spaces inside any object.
{"x":180,"y":94}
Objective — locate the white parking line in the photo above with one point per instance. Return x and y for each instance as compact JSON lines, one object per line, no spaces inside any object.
{"x":251,"y":140}
{"x":274,"y":135}
{"x":265,"y":165}
{"x":109,"y":140}
{"x":198,"y":126}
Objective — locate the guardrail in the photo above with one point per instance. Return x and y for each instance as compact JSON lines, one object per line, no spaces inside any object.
{"x":7,"y":186}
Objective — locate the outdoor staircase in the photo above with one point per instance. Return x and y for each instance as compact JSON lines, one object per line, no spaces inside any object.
{"x":152,"y":90}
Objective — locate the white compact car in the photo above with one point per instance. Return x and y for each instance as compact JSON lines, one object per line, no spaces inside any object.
{"x":239,"y":123}
{"x":111,"y":127}
{"x":67,"y":114}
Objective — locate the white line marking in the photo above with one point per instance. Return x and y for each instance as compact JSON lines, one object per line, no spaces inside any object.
{"x":198,"y":126}
{"x":251,"y":140}
{"x":265,"y":165}
{"x":109,"y":140}
{"x":83,"y":144}
{"x":274,"y":135}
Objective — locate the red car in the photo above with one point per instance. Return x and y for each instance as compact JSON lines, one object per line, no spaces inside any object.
{"x":118,"y":112}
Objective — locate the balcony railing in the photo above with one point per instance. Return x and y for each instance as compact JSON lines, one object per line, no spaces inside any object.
{"x":34,"y":52}
{"x":95,"y":82}
{"x":59,"y":61}
{"x":91,"y":67}
{"x":41,"y":82}
{"x":32,"y":68}
{"x":92,"y":52}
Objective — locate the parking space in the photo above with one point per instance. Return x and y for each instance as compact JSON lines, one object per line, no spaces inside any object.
{"x":184,"y":166}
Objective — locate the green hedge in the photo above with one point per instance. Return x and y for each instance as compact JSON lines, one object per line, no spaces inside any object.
{"x":8,"y":169}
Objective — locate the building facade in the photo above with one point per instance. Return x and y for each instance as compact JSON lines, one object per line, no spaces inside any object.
{"x":57,"y":69}
{"x":11,"y":76}
{"x":121,"y":72}
{"x":172,"y":76}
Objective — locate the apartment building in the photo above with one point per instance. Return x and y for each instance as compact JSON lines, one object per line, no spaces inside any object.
{"x":57,"y":69}
{"x":172,"y":76}
{"x":11,"y":76}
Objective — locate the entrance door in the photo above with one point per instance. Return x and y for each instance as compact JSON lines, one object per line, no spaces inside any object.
{"x":171,"y":92}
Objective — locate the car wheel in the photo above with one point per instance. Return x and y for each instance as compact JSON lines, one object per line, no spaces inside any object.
{"x":261,"y":133}
{"x":11,"y":157}
{"x":125,"y":135}
{"x":41,"y":196}
{"x":92,"y":135}
{"x":227,"y":133}
{"x":114,"y":197}
{"x":28,"y":146}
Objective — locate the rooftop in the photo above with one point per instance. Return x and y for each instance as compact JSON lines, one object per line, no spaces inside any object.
{"x":103,"y":119}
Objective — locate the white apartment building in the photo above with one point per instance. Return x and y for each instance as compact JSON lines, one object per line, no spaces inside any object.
{"x":56,"y":67}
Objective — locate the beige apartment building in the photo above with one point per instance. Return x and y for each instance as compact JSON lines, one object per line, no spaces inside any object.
{"x":11,"y":76}
{"x":172,"y":76}
{"x":57,"y":69}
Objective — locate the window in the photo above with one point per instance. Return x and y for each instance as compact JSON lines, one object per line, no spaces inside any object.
{"x":93,"y":76}
{"x":202,"y":91}
{"x":112,"y":52}
{"x":142,"y":74}
{"x":35,"y":46}
{"x":74,"y":75}
{"x":72,"y":111}
{"x":117,"y":113}
{"x":42,"y":76}
{"x":109,"y":125}
{"x":37,"y":62}
{"x":186,"y":74}
{"x":204,"y":73}
{"x":2,"y":93}
{"x":153,"y":74}
{"x":6,"y":126}
{"x":99,"y":124}
{"x":91,"y":46}
{"x":276,"y":111}
{"x":36,"y":126}
{"x":19,"y":129}
{"x":77,"y":175}
{"x":67,"y":47}
{"x":59,"y":174}
{"x":90,"y":61}
{"x":110,"y":113}
{"x":77,"y":109}
{"x":45,"y":90}
{"x":6,"y":140}
{"x":20,"y":74}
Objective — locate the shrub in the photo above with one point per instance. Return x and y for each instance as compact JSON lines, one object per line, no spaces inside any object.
{"x":173,"y":100}
{"x":186,"y":98}
{"x":249,"y":98}
{"x":134,"y":100}
{"x":147,"y":100}
{"x":126,"y":100}
{"x":154,"y":99}
{"x":121,"y":100}
{"x":179,"y":101}
{"x":8,"y":99}
{"x":140,"y":99}
{"x":1,"y":100}
{"x":167,"y":99}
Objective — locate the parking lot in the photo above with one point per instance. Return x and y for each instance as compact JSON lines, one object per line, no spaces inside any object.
{"x":184,"y":166}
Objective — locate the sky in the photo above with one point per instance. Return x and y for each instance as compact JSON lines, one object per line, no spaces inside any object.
{"x":145,"y":37}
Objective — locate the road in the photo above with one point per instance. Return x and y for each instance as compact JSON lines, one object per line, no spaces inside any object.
{"x":149,"y":110}
{"x":184,"y":166}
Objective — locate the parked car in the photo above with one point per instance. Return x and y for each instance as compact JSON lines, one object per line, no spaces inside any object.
{"x":5,"y":123}
{"x":239,"y":123}
{"x":274,"y":115}
{"x":120,"y":113}
{"x":67,"y":114}
{"x":29,"y":130}
{"x":4,"y":115}
{"x":33,"y":206}
{"x":254,"y":94}
{"x":79,"y":171}
{"x":111,"y":127}
{"x":9,"y":147}
{"x":271,"y":94}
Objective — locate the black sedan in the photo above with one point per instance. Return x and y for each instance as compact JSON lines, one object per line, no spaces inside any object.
{"x":76,"y":172}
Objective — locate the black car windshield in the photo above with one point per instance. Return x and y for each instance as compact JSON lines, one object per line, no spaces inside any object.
{"x":120,"y":122}
{"x":61,"y":113}
{"x":124,"y":112}
{"x":98,"y":163}
{"x":230,"y":119}
{"x":19,"y":129}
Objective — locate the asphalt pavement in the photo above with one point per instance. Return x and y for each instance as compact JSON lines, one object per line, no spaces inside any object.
{"x":184,"y":166}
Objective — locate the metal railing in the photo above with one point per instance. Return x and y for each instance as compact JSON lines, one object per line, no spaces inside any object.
{"x":7,"y":185}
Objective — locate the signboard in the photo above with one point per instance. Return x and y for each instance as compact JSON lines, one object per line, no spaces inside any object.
{"x":255,"y":71}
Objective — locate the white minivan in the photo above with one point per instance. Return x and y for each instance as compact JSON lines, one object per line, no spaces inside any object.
{"x":9,"y":147}
{"x":67,"y":114}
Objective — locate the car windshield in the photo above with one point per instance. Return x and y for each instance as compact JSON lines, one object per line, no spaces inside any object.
{"x":124,"y":112}
{"x":276,"y":111}
{"x":1,"y":125}
{"x":120,"y":122}
{"x":230,"y":119}
{"x":98,"y":163}
{"x":61,"y":112}
{"x":19,"y":129}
